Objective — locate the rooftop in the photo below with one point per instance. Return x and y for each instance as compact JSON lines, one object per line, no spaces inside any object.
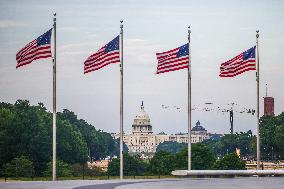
{"x":198,"y":127}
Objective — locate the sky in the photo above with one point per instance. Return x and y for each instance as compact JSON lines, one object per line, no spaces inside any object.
{"x":220,"y":30}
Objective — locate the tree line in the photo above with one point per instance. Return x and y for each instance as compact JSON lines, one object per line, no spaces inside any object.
{"x":26,"y":140}
{"x":164,"y":162}
{"x":271,"y":141}
{"x":214,"y":153}
{"x":26,"y":146}
{"x":272,"y":137}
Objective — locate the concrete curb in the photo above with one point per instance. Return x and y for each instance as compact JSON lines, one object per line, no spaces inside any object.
{"x":227,"y":172}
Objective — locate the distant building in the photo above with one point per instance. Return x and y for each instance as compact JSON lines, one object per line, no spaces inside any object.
{"x":143,"y":141}
{"x":268,"y":106}
{"x":198,"y":133}
{"x":102,"y":164}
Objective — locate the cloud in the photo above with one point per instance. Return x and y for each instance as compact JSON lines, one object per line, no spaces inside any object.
{"x":79,"y":49}
{"x":69,"y":29}
{"x":133,"y":47}
{"x":140,"y":50}
{"x":9,"y":24}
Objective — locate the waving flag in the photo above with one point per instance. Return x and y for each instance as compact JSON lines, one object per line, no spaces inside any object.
{"x":37,"y":49}
{"x":240,"y":64}
{"x":108,"y":54}
{"x":174,"y":59}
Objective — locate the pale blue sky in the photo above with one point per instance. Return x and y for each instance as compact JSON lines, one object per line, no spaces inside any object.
{"x":220,"y":31}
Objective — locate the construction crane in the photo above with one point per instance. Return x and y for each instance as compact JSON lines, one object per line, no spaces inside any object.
{"x":231,"y":110}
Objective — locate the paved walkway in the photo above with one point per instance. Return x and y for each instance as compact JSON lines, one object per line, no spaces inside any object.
{"x":186,"y":183}
{"x":212,"y":183}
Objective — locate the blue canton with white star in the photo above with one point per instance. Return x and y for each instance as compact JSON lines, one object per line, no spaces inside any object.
{"x":183,"y":51}
{"x":44,"y":38}
{"x":249,"y":53}
{"x":113,"y":45}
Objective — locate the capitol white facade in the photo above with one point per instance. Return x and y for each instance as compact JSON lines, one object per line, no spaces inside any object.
{"x":143,"y":140}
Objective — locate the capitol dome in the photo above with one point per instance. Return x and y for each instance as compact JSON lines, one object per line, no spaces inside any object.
{"x":141,"y":122}
{"x":142,"y":114}
{"x":198,"y":129}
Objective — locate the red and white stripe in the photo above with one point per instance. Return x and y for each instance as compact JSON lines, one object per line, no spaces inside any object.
{"x":168,"y":61}
{"x":236,"y":66}
{"x":32,"y":52}
{"x":101,"y":59}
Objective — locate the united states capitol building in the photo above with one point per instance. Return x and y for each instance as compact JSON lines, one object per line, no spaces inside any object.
{"x":143,"y":140}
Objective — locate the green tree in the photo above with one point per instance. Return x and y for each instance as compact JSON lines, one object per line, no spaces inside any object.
{"x":26,"y":134}
{"x":272,"y":136}
{"x":163,"y":163}
{"x":279,"y":138}
{"x":245,"y":141}
{"x":172,"y":147}
{"x":99,"y":144}
{"x":19,"y":167}
{"x":77,"y":169}
{"x":113,"y":167}
{"x":71,"y":145}
{"x":27,"y":130}
{"x":94,"y":171}
{"x":231,"y":161}
{"x":62,"y":169}
{"x":133,"y":166}
{"x":6,"y":119}
{"x":202,"y":158}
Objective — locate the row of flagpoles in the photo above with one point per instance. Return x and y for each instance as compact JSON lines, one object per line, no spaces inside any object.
{"x":112,"y":52}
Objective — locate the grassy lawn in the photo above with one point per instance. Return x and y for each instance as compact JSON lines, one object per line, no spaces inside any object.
{"x":88,"y":178}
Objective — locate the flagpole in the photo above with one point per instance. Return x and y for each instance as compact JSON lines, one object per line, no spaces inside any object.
{"x":54,"y":105}
{"x":121,"y":99}
{"x":257,"y":105}
{"x":189,"y":103}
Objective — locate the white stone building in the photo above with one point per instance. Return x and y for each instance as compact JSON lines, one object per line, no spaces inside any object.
{"x":142,"y":140}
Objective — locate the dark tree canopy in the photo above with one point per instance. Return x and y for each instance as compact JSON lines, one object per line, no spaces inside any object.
{"x":133,"y":165}
{"x":163,"y":163}
{"x":172,"y":147}
{"x":245,"y":141}
{"x":26,"y":130}
{"x":202,"y":158}
{"x":26,"y":139}
{"x":230,"y":162}
{"x":272,"y":137}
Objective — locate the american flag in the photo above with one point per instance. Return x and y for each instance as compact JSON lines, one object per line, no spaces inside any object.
{"x":240,"y":64}
{"x":37,"y":49}
{"x":108,"y":54}
{"x":174,"y":59}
